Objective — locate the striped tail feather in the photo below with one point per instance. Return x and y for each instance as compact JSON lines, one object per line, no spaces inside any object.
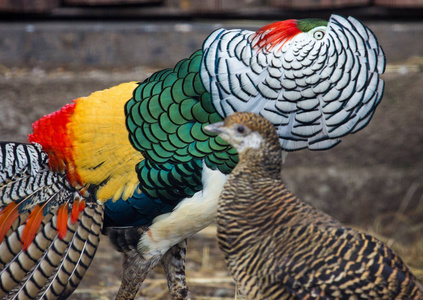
{"x":49,"y":233}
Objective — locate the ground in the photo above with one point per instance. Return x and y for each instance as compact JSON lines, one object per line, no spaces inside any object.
{"x":371,"y":181}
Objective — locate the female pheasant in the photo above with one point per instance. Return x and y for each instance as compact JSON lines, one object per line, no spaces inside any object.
{"x":278,"y":247}
{"x":135,"y":162}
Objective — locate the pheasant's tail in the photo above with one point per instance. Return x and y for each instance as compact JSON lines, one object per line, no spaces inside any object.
{"x":48,"y":232}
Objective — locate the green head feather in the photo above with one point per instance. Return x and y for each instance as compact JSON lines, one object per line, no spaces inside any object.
{"x":305,"y":25}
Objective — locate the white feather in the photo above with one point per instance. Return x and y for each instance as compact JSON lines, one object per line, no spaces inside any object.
{"x":333,"y":75}
{"x":188,"y":217}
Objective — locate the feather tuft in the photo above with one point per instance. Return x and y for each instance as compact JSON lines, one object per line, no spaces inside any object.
{"x":33,"y":222}
{"x":276,"y":34}
{"x":7,"y":216}
{"x":62,"y":221}
{"x":77,"y":208}
{"x":52,"y":133}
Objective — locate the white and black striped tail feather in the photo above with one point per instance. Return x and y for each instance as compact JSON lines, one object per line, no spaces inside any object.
{"x":78,"y":256}
{"x":23,"y":172}
{"x":51,"y":267}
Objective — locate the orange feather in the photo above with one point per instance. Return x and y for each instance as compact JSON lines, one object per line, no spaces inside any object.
{"x":7,"y":216}
{"x":32,"y":224}
{"x":78,"y":206}
{"x":75,"y":211}
{"x":82,"y":205}
{"x":62,"y":221}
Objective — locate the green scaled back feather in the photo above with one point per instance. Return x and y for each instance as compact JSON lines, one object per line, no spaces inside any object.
{"x":165,"y":119}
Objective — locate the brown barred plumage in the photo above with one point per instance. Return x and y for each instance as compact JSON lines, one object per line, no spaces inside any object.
{"x":278,"y":247}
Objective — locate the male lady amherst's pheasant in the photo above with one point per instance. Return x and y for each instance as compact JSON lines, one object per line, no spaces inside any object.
{"x":278,"y":247}
{"x":134,"y":161}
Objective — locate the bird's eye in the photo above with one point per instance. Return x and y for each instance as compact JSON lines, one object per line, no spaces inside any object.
{"x":319,"y":34}
{"x":240,"y":129}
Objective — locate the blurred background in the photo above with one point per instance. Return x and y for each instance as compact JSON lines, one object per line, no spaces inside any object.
{"x":52,"y":51}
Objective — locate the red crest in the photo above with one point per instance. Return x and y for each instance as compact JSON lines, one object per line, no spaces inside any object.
{"x":276,"y":34}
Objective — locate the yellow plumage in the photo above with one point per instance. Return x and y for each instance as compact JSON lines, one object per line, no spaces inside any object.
{"x":102,"y":151}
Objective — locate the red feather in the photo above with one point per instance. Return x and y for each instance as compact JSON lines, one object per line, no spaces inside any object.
{"x":274,"y":34}
{"x":51,"y":132}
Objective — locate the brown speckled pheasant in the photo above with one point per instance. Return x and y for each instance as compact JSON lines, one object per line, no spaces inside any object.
{"x":278,"y":247}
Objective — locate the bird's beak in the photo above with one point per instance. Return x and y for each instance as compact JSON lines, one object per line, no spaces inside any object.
{"x":214,"y":128}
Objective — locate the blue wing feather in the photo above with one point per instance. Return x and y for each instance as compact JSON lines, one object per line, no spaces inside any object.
{"x":139,"y":210}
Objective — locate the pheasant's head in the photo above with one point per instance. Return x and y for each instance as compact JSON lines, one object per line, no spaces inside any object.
{"x":278,"y":33}
{"x":245,"y":130}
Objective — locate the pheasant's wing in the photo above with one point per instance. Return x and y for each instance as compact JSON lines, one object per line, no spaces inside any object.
{"x":342,"y":262}
{"x":165,"y":119}
{"x":44,"y":253}
{"x":313,"y":91}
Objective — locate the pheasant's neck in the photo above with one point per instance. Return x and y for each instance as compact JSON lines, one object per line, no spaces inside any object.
{"x":251,"y":206}
{"x":246,"y":186}
{"x":255,"y":181}
{"x":266,"y":163}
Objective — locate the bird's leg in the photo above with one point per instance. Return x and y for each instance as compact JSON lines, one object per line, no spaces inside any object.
{"x":135,"y":269}
{"x":174,"y":266}
{"x":136,"y":265}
